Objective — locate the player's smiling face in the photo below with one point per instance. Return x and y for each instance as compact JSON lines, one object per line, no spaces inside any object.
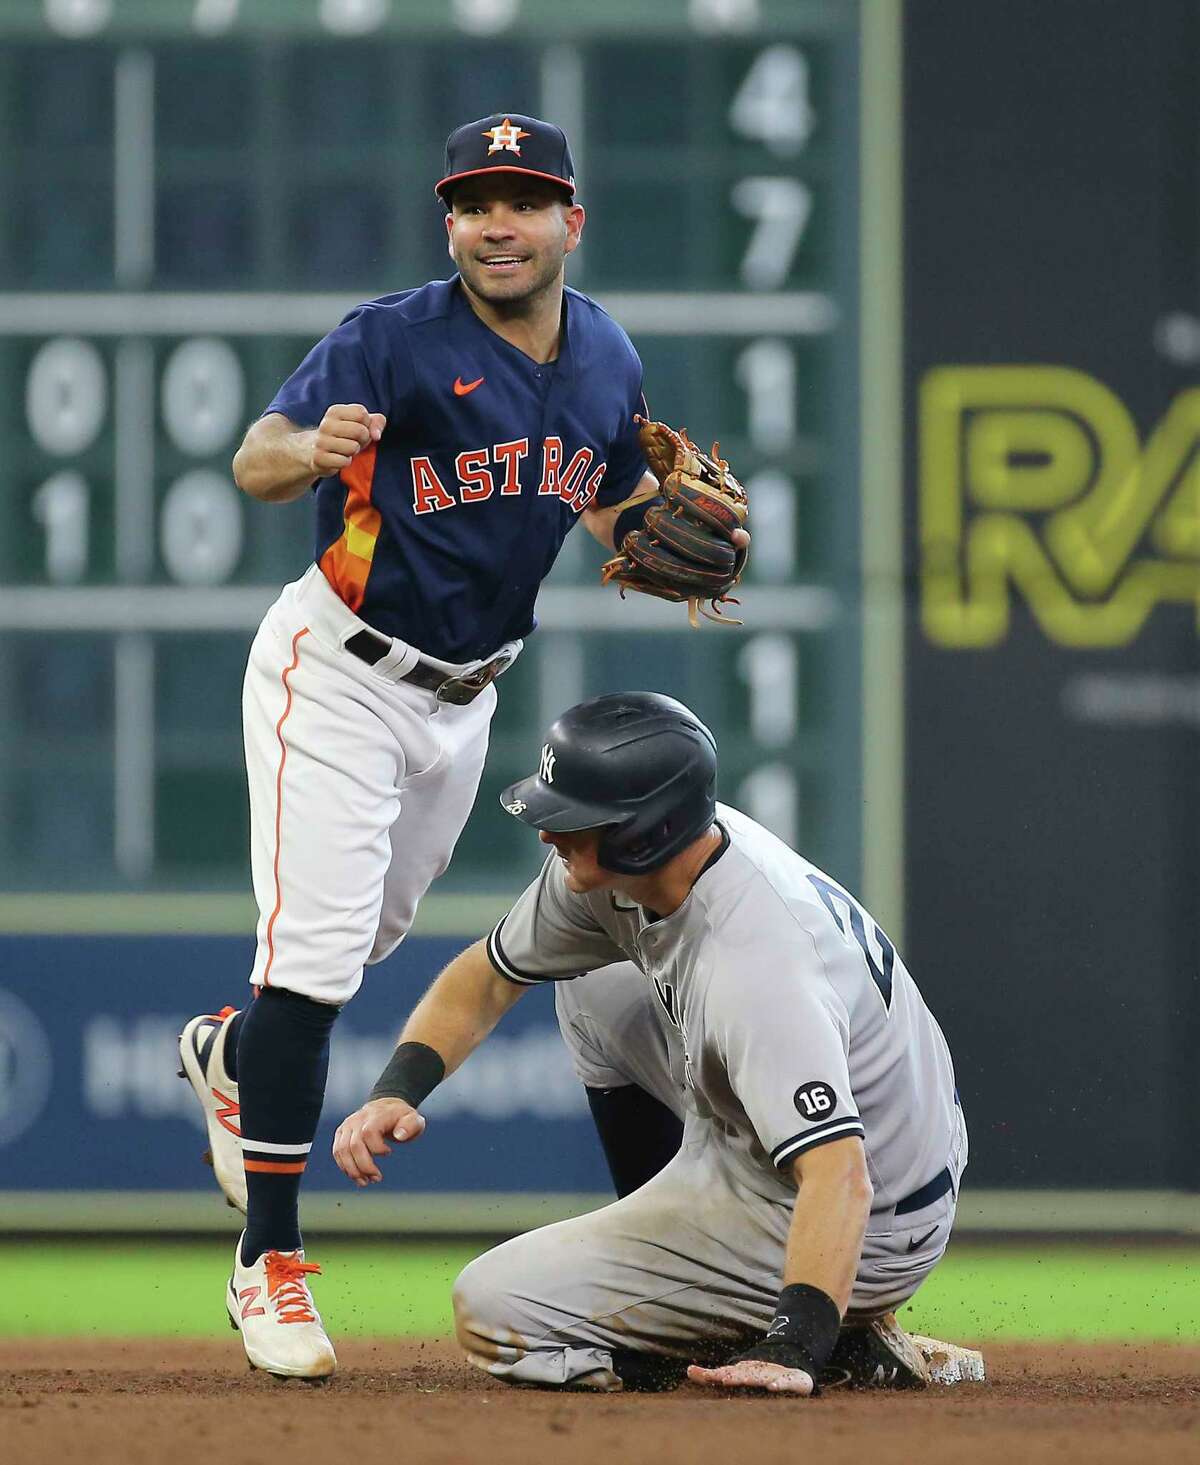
{"x":577,"y":851}
{"x":509,"y":235}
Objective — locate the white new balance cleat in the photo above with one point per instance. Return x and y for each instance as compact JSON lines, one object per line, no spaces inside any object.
{"x":202,"y":1052}
{"x":270,"y":1304}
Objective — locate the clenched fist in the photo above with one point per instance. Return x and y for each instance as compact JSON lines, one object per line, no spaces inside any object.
{"x":344,"y":431}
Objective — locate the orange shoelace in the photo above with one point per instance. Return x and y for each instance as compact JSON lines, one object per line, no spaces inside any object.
{"x":287,"y":1288}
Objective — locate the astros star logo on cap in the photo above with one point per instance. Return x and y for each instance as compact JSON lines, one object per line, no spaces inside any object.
{"x":505,"y":137}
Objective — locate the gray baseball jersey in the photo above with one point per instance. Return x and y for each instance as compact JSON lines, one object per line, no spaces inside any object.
{"x":789,"y":1018}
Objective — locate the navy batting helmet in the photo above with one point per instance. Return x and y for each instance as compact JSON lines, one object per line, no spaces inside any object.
{"x":638,"y":765}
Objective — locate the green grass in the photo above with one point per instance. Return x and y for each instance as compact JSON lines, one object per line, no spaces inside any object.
{"x":153,"y":1289}
{"x":1114,"y":1292}
{"x":169,"y":1289}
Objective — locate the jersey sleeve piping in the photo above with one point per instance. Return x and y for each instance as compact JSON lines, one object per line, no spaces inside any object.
{"x":845,"y":1127}
{"x":513,"y":973}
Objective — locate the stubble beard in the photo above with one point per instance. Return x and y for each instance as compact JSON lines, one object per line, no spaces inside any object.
{"x":499,"y":293}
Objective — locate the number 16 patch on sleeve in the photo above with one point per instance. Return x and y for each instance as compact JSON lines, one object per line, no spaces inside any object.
{"x":817,"y":1104}
{"x":815,"y":1099}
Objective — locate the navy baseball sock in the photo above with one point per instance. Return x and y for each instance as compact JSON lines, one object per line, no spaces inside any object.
{"x":232,"y":1033}
{"x":282,"y":1059}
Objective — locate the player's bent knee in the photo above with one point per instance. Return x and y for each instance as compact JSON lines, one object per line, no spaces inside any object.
{"x":483,"y":1316}
{"x":484,"y":1313}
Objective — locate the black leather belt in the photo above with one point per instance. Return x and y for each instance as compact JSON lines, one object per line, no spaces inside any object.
{"x":934,"y":1190}
{"x":370,"y":647}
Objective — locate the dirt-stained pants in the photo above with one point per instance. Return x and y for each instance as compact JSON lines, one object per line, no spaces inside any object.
{"x":689,"y":1266}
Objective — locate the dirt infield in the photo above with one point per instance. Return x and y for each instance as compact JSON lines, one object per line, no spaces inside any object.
{"x":175,"y":1403}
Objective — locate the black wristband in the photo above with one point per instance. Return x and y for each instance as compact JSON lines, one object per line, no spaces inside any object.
{"x":631,"y":518}
{"x":803,"y":1332}
{"x":413,"y":1072}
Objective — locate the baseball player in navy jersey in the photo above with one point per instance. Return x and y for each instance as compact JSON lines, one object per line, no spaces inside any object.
{"x":453,"y":435}
{"x":776,"y":1101}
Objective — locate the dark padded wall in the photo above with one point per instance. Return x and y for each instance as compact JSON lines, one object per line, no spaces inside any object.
{"x":1052,"y":788}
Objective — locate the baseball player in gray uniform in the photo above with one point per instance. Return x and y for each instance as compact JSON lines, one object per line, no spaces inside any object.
{"x":810,"y":1181}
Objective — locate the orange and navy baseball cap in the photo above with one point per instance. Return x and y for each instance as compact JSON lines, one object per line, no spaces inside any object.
{"x":507,"y":142}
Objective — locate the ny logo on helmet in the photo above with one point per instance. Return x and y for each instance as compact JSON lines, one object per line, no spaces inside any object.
{"x":546,"y":766}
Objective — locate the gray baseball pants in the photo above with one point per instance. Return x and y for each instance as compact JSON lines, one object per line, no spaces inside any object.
{"x":687,"y":1267}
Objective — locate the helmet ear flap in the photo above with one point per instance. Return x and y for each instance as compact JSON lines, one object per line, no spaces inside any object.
{"x":635,"y":848}
{"x":646,"y":842}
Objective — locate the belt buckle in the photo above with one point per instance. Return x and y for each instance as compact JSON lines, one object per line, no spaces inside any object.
{"x":461,"y":690}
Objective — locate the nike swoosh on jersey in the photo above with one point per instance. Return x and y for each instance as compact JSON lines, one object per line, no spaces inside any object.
{"x":920,"y":1241}
{"x":461,"y":388}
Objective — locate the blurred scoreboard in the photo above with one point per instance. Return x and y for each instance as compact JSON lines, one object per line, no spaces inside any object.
{"x":196,"y":190}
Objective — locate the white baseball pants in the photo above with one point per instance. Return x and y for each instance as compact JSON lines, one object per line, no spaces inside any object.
{"x":689,"y":1266}
{"x":360,"y":785}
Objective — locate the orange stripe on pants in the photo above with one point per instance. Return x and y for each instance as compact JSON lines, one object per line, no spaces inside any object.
{"x":287,"y":707}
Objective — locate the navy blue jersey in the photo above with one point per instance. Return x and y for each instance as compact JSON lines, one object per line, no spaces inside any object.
{"x":441,"y":533}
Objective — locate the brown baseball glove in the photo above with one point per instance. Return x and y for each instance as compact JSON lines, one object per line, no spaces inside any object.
{"x":684,"y":549}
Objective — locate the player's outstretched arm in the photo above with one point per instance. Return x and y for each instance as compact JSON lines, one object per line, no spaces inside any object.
{"x":461,"y":1007}
{"x":278,"y":461}
{"x":823,"y":1251}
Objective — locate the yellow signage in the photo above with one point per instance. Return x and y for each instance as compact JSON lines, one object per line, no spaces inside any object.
{"x":1032,"y":479}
